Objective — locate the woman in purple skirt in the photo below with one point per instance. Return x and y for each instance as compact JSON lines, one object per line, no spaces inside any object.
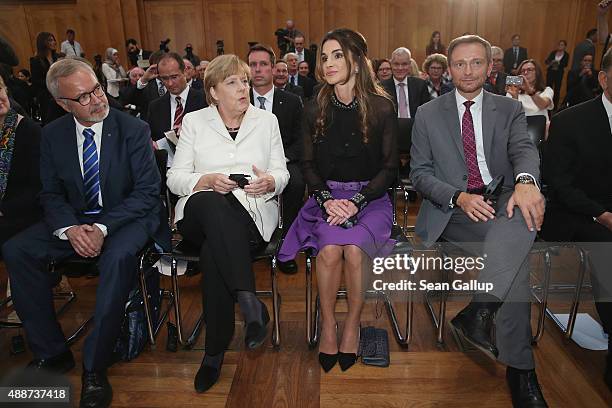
{"x":349,"y":161}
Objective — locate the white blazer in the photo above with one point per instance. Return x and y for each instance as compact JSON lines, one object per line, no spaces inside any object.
{"x":205,"y":147}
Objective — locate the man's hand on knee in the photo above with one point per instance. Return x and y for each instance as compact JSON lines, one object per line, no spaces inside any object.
{"x":81,"y":241}
{"x":531,"y":203}
{"x":96,"y":235}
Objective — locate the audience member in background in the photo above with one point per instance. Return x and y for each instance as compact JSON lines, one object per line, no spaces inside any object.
{"x":192,"y":76}
{"x":583,"y":48}
{"x":113,"y":72}
{"x":534,"y":95}
{"x":290,"y":34}
{"x":24,"y":75}
{"x":136,"y":54}
{"x":348,"y":162}
{"x":382,"y":69}
{"x":295,"y":79}
{"x":603,"y":32}
{"x":303,"y":69}
{"x":556,"y":62}
{"x":71,"y":47}
{"x":576,"y":166}
{"x":148,"y":88}
{"x":415,"y":71}
{"x":39,"y":65}
{"x":97,"y":67}
{"x":19,"y":169}
{"x":7,"y":53}
{"x":135,"y":74}
{"x":434,"y":66}
{"x":19,"y":91}
{"x":496,"y":81}
{"x":582,"y":84}
{"x":514,"y":56}
{"x":189,"y":55}
{"x":201,"y":69}
{"x":435,"y":45}
{"x":408,"y":92}
{"x":100,"y":195}
{"x":215,"y":215}
{"x":461,"y":141}
{"x":167,"y":112}
{"x":281,"y":79}
{"x":287,"y":108}
{"x":304,"y":54}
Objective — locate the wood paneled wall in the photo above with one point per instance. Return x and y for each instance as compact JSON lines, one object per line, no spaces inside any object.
{"x":386,"y":24}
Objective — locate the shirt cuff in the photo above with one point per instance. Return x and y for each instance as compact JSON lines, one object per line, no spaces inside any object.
{"x":61,"y":232}
{"x":102,"y":228}
{"x":527,"y":174}
{"x":140,"y":84}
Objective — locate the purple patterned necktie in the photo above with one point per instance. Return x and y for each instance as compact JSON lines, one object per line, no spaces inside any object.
{"x":469,"y":148}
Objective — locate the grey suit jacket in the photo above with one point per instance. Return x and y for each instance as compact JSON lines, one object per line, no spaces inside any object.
{"x":437,"y":160}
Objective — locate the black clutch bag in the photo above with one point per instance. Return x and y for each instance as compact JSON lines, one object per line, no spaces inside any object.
{"x":374,"y":347}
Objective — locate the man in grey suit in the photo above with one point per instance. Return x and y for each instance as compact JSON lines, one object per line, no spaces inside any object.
{"x":583,"y":48}
{"x":461,"y":141}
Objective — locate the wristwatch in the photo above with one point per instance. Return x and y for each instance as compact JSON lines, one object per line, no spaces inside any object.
{"x":453,"y":202}
{"x":524,"y":179}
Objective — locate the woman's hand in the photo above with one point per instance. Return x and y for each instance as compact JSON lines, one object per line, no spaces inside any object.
{"x":217,"y":182}
{"x":339,"y":211}
{"x":264,"y":183}
{"x":513,"y":90}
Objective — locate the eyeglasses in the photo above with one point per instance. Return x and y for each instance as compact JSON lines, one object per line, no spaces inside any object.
{"x":85,"y":98}
{"x":527,"y":70}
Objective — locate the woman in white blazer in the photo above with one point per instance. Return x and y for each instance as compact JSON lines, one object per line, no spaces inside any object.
{"x":226,"y":221}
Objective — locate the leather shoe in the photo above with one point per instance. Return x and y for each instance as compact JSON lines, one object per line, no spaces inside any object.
{"x":289,"y":267}
{"x":525,"y":389}
{"x":96,"y":391}
{"x":59,"y":364}
{"x":328,"y":361}
{"x":206,"y":377}
{"x":475,"y":323}
{"x":256,"y":332}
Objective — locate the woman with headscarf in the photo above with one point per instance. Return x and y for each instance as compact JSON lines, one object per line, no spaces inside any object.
{"x":113,"y":72}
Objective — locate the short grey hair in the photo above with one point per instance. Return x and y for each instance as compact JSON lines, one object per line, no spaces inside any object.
{"x":496,"y":50}
{"x":62,"y":69}
{"x":469,"y":39}
{"x":401,"y":51}
{"x":290,"y":54}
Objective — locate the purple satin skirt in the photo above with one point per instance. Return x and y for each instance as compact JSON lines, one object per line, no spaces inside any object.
{"x":371,"y":233}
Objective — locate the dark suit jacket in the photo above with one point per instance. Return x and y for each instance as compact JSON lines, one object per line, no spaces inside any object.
{"x":583,"y":48}
{"x":20,"y":197}
{"x":129,"y":178}
{"x":576,"y":165}
{"x":509,"y":58}
{"x":500,"y":84}
{"x":294,"y":89}
{"x":311,"y":59}
{"x":140,"y":97}
{"x":288,"y":110}
{"x":307,"y":84}
{"x":581,"y":88}
{"x":197,"y":84}
{"x":39,"y":68}
{"x":418,"y":94}
{"x":159,"y":114}
{"x":134,"y":58}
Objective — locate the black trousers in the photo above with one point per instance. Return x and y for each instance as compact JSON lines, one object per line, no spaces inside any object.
{"x":228,"y":238}
{"x":554,"y":78}
{"x":27,"y":256}
{"x":597,"y":240}
{"x":293,"y":194}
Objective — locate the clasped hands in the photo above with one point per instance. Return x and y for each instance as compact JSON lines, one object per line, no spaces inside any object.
{"x":86,"y":240}
{"x":338,"y":211}
{"x":221,"y":183}
{"x":526,"y":196}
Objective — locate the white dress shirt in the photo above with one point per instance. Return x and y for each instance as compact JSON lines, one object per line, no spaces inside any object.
{"x":296,"y":79}
{"x":269,"y":99}
{"x":80,"y":140}
{"x":300,"y":55}
{"x":397,"y":89}
{"x":71,"y":49}
{"x":183,"y":97}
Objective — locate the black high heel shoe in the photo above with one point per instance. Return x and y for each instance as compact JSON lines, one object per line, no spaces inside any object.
{"x":347,"y":360}
{"x":328,"y":361}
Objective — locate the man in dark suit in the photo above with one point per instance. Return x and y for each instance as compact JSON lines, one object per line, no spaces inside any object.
{"x":135,"y":53}
{"x":305,"y":54}
{"x":583,"y":48}
{"x":576,"y":167}
{"x":496,"y":81}
{"x":281,"y":80}
{"x":148,"y":88}
{"x":288,"y":110}
{"x":100,"y":195}
{"x":295,"y":78}
{"x":514,"y":56}
{"x":166,"y":113}
{"x":462,"y":141}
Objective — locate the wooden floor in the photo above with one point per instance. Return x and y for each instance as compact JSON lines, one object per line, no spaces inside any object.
{"x":424,"y":375}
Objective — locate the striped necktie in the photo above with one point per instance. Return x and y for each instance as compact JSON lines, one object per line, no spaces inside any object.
{"x":91,"y":173}
{"x":178,"y":116}
{"x":262,"y":102}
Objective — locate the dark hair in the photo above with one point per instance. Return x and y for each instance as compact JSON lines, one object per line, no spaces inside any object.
{"x":564,"y":42}
{"x":469,"y":39}
{"x":70,"y":31}
{"x":25,"y":73}
{"x":591,"y":32}
{"x":172,"y":56}
{"x":431,"y":42}
{"x":514,"y":36}
{"x":303,"y":62}
{"x":378,"y":62}
{"x":355,"y":50}
{"x":606,"y":61}
{"x":41,"y":43}
{"x":131,"y":41}
{"x":540,"y":83}
{"x":264,"y":48}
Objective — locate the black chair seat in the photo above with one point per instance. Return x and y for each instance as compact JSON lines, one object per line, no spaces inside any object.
{"x":271,"y":248}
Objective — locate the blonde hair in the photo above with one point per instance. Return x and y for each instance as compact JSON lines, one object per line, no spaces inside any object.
{"x":219,"y":69}
{"x":439,"y":58}
{"x":414,"y":69}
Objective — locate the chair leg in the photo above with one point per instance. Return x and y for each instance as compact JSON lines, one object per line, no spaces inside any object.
{"x":145,"y":299}
{"x":312,"y":336}
{"x":78,"y":332}
{"x":177,"y":301}
{"x":403,"y":339}
{"x":544,"y":301}
{"x":276,"y":340}
{"x":571,"y":321}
